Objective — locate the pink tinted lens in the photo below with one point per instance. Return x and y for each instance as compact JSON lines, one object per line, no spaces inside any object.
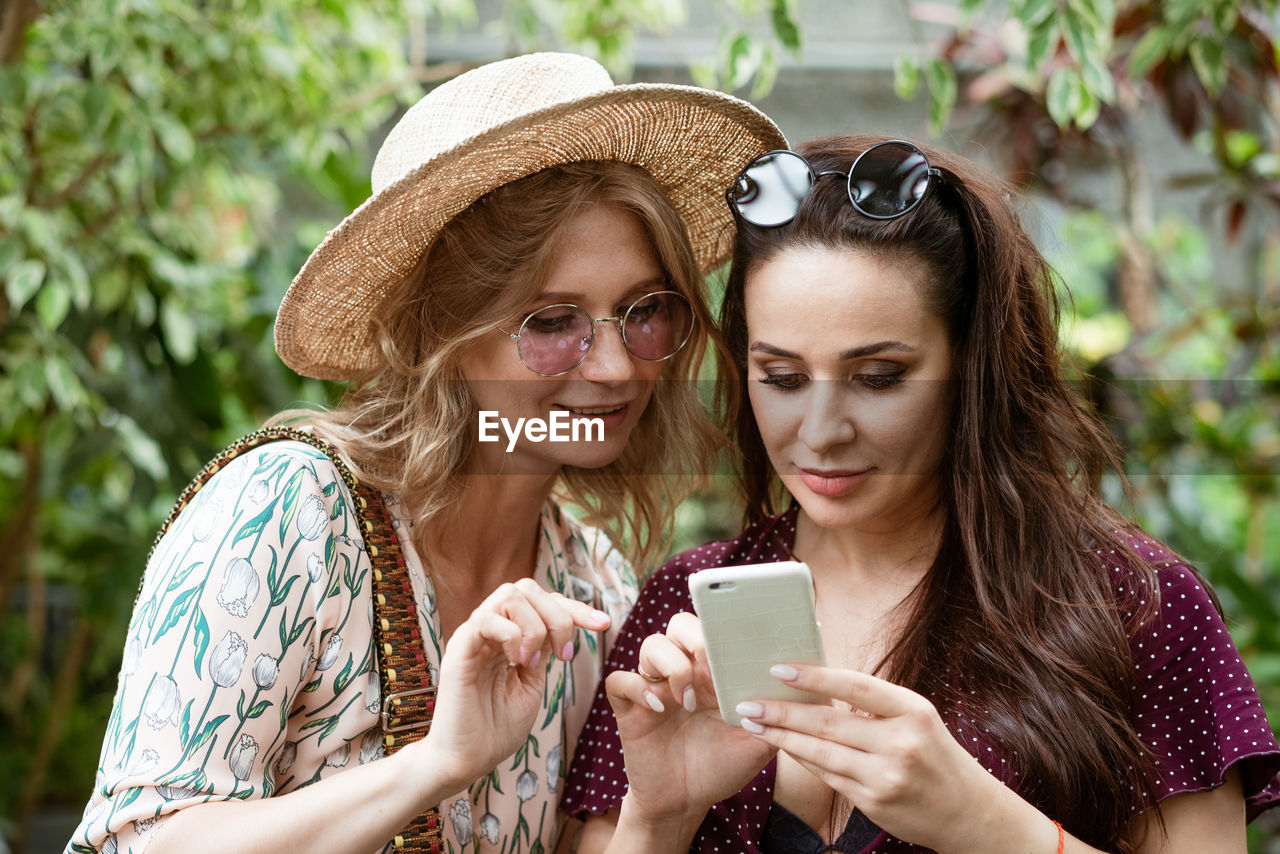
{"x":555,"y":339}
{"x":657,"y":325}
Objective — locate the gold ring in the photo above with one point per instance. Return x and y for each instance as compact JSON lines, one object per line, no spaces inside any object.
{"x":649,"y":677}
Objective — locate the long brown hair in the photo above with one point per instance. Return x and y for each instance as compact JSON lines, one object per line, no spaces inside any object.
{"x":1016,"y":621}
{"x":410,"y":426}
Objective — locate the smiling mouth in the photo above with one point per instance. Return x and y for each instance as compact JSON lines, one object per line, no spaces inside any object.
{"x":595,"y":410}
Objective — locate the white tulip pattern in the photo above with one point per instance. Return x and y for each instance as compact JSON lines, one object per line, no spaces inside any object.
{"x":460,"y":818}
{"x":490,"y":827}
{"x":239,"y":587}
{"x":227,"y":660}
{"x":527,"y":785}
{"x":313,"y":518}
{"x":250,"y":669}
{"x":330,"y":654}
{"x":553,"y":768}
{"x":315,"y":567}
{"x":243,"y":755}
{"x":265,"y":672}
{"x":162,"y":704}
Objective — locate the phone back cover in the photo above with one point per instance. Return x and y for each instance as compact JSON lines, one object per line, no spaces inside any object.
{"x":767,"y":618}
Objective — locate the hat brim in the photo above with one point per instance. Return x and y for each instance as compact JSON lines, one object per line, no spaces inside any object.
{"x":693,"y":141}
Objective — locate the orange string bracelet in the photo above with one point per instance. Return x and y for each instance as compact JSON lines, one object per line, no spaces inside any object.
{"x":1062,"y":836}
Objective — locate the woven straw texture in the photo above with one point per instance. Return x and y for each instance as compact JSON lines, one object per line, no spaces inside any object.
{"x":487,"y":128}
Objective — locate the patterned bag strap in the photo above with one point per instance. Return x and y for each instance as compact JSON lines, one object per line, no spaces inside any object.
{"x":408,"y":697}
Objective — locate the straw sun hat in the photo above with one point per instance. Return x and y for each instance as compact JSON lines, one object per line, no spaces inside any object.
{"x":489,"y":127}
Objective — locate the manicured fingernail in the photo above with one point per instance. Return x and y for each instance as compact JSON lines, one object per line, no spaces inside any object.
{"x":537,"y":656}
{"x":785,"y":672}
{"x":749,"y":709}
{"x":602,"y":617}
{"x":653,"y":701}
{"x":690,"y":700}
{"x":751,"y":726}
{"x":567,"y":652}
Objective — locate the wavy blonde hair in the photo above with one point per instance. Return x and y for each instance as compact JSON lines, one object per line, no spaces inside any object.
{"x":410,"y":426}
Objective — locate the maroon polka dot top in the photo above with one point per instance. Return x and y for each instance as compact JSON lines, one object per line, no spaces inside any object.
{"x":1195,"y":705}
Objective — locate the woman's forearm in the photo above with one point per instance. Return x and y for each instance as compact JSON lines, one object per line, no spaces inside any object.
{"x":356,"y":811}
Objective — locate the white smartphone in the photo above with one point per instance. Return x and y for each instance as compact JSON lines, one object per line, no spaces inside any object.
{"x":753,"y":617}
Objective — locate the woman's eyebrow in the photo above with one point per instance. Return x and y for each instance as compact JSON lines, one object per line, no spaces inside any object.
{"x":855,"y":353}
{"x":762,"y":347}
{"x":878,"y":347}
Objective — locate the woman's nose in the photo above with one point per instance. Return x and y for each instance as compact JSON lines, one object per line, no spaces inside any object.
{"x":827,"y":418}
{"x":608,"y":360}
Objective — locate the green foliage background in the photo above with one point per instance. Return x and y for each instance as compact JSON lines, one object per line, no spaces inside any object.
{"x":165,"y":167}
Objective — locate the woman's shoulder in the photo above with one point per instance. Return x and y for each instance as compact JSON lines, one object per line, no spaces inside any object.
{"x":1151,"y":580}
{"x":1195,"y":704}
{"x":269,"y":493}
{"x":279,"y":464}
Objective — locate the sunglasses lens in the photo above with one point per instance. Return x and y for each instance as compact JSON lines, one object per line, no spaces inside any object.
{"x":888,"y":180}
{"x":769,"y":191}
{"x":657,"y":325}
{"x":555,"y":339}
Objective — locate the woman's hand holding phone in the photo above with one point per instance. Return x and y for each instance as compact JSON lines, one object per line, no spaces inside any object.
{"x":886,"y":749}
{"x":681,"y":756}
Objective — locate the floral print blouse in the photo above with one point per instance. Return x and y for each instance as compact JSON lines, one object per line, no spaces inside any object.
{"x":249,"y":666}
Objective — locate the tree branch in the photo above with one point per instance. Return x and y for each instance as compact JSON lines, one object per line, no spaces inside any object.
{"x":77,"y":184}
{"x":13,"y":28}
{"x":65,"y":686}
{"x":33,"y":154}
{"x":17,"y":534}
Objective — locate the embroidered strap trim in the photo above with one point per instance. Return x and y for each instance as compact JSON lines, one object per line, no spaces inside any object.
{"x":408,"y":697}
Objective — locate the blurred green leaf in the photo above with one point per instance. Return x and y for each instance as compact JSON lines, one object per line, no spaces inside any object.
{"x":1075,"y":32}
{"x":22,"y":281}
{"x":941,"y":79}
{"x":767,"y":73}
{"x":1042,"y":39}
{"x":1063,"y":96}
{"x":743,"y":60}
{"x":52,"y":304}
{"x":782,"y":15}
{"x":180,"y":335}
{"x":1031,"y":12}
{"x":1150,"y":49}
{"x":63,"y":384}
{"x":140,"y":448}
{"x":906,"y":77}
{"x":1208,"y":59}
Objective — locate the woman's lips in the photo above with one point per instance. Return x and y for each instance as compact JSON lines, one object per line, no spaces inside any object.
{"x":832,"y":483}
{"x":612,"y":415}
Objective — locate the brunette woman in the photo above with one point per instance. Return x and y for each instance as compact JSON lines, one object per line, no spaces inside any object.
{"x":1012,"y":666}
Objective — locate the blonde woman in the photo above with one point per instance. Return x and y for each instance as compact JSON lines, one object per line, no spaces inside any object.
{"x":532,"y":254}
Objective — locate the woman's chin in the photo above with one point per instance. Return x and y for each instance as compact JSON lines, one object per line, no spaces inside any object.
{"x":592,"y":457}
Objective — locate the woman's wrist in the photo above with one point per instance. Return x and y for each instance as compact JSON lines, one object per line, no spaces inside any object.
{"x":641,"y":829}
{"x":432,"y":771}
{"x":1003,"y":823}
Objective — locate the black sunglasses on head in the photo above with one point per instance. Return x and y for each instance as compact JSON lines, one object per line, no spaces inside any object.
{"x":886,"y":181}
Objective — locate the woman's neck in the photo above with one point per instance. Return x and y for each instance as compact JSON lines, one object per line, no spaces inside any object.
{"x":852,"y":558}
{"x":492,"y":536}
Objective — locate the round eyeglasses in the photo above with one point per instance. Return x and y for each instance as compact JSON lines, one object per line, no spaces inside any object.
{"x":554,"y":340}
{"x":886,"y":181}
